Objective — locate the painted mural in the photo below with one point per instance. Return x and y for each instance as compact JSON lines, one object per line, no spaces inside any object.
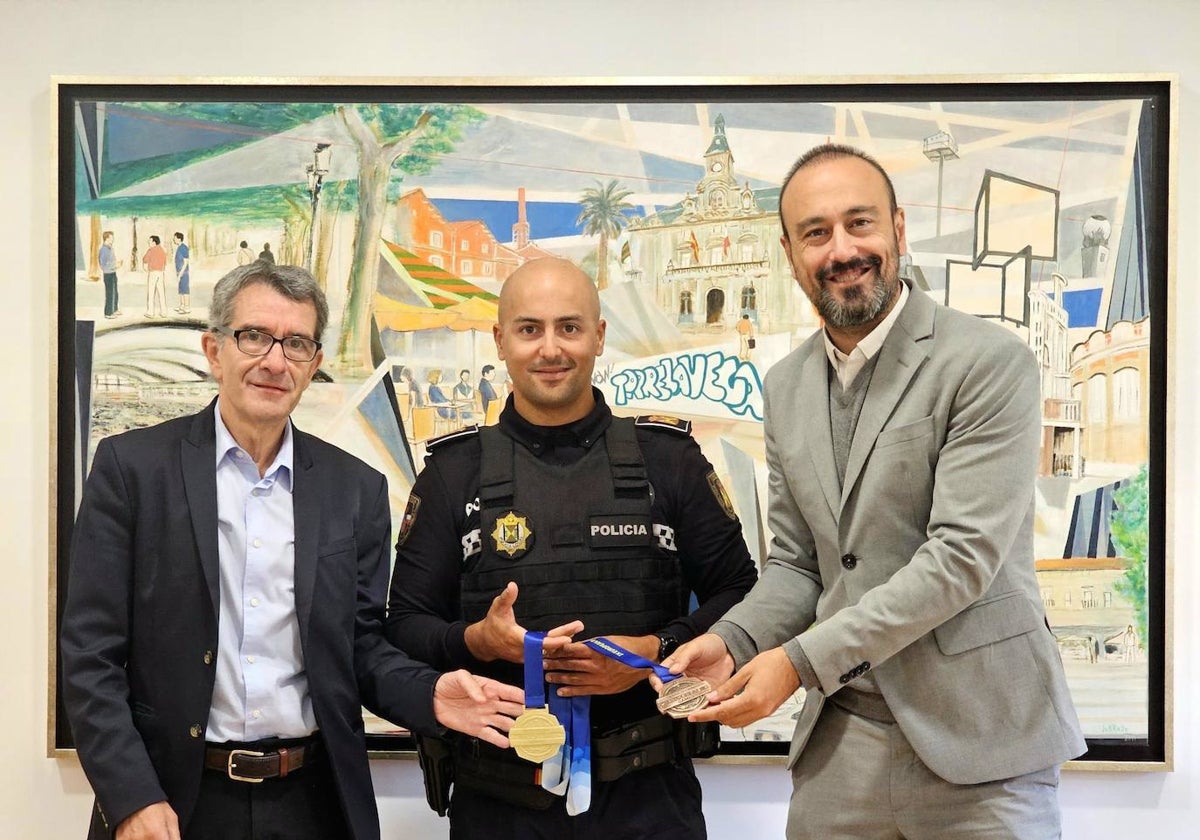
{"x":413,"y":215}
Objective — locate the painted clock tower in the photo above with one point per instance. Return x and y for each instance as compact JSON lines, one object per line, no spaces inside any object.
{"x":718,"y":181}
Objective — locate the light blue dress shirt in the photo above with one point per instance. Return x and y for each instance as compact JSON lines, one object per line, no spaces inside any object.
{"x":261,"y":688}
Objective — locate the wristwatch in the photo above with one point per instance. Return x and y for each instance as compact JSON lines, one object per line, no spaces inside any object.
{"x":667,"y":643}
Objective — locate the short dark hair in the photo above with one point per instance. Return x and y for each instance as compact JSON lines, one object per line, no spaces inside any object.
{"x":155,"y":239}
{"x":179,"y":236}
{"x":243,"y":244}
{"x":291,"y":281}
{"x":487,"y":369}
{"x":831,"y":151}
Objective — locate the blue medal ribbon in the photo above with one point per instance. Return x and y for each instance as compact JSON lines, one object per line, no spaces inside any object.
{"x":627,"y":657}
{"x":535,"y":675}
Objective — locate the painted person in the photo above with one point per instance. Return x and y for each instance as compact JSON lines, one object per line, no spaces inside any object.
{"x":223,"y":624}
{"x":588,"y":522}
{"x":244,"y":255}
{"x":902,"y":444}
{"x":487,"y":390}
{"x":183,"y":259}
{"x":155,"y":263}
{"x":109,"y":264}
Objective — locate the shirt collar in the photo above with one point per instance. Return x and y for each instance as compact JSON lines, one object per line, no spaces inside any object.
{"x":872,"y":342}
{"x":582,"y":432}
{"x":226,"y":446}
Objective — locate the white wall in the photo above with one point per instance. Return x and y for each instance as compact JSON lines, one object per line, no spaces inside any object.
{"x":41,"y":797}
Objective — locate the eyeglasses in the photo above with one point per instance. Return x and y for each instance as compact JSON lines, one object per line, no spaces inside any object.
{"x":258,"y":343}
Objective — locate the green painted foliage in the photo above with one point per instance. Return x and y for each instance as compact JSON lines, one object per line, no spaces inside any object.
{"x":250,"y":122}
{"x":1130,"y":526}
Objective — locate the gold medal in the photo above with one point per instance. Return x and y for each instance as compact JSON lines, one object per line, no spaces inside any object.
{"x":537,"y":735}
{"x":681,"y":697}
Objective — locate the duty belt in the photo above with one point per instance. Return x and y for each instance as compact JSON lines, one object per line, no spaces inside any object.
{"x":615,"y":753}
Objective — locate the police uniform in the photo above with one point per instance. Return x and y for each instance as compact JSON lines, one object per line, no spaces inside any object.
{"x":609,"y":520}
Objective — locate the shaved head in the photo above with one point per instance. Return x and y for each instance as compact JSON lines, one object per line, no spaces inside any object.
{"x":550,"y":274}
{"x":548,"y":336}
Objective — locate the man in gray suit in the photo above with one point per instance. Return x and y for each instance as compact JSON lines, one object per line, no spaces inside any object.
{"x":902,"y":442}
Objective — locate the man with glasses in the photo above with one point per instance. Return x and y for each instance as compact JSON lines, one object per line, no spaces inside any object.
{"x":223,"y":624}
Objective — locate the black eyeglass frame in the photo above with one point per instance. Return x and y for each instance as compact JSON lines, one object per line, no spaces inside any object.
{"x":237,"y":339}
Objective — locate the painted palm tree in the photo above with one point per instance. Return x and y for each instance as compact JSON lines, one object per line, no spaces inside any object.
{"x":603,"y":215}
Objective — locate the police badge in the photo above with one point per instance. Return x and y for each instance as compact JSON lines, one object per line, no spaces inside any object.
{"x":410,"y":517}
{"x":512,"y":534}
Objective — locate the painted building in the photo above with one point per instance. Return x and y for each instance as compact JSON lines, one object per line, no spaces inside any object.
{"x":715,"y":255}
{"x":466,"y":249}
{"x":1048,"y":338}
{"x":1110,"y":377}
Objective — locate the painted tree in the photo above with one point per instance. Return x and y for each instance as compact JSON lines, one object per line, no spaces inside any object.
{"x":603,"y":216}
{"x":387,"y":138}
{"x":1129,"y":525}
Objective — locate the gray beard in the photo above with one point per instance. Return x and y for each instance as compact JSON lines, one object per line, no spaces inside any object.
{"x":859,"y":310}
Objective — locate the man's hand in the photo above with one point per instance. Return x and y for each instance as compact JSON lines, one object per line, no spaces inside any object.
{"x":477,"y":706}
{"x":154,"y":822}
{"x":498,"y":636}
{"x":579,"y":670}
{"x":753,"y":692}
{"x":705,"y":657}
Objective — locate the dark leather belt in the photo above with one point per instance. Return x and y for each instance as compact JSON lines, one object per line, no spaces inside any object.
{"x":254,"y":766}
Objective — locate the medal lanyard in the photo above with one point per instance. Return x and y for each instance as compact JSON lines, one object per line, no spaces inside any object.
{"x":680,"y":695}
{"x":627,"y":657}
{"x":535,"y":675}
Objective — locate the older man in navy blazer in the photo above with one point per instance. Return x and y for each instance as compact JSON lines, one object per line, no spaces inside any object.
{"x":902,"y":444}
{"x":223,"y":621}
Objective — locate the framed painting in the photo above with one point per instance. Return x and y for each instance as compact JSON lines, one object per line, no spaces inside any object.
{"x":1040,"y":203}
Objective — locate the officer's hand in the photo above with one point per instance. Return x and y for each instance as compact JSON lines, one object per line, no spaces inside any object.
{"x":154,"y":822}
{"x":477,"y":706}
{"x":498,"y":636}
{"x":579,"y":670}
{"x":753,"y":692}
{"x":705,"y":657}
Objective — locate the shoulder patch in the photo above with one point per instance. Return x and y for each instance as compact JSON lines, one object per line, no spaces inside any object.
{"x":664,"y":421}
{"x":461,"y":434}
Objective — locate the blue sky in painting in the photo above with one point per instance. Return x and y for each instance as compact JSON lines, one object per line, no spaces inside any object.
{"x":546,"y":219}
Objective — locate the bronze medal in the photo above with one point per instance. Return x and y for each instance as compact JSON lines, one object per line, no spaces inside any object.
{"x":537,"y":735}
{"x":681,"y":697}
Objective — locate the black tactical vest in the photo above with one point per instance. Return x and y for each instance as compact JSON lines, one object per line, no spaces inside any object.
{"x":577,"y":539}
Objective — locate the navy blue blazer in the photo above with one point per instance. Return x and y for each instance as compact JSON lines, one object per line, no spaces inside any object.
{"x":139,"y":629}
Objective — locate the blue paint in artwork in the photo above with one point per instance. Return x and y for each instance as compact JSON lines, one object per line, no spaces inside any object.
{"x":546,"y":219}
{"x":1083,"y":307}
{"x":667,"y":175}
{"x":134,"y":135}
{"x":715,"y":376}
{"x":377,"y":410}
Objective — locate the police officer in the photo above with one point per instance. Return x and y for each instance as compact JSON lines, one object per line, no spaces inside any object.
{"x":565,"y":519}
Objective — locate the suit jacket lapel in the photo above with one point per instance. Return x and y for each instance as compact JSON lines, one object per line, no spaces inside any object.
{"x":198,"y":457}
{"x":812,"y":396}
{"x":900,"y":358}
{"x":306,"y":509}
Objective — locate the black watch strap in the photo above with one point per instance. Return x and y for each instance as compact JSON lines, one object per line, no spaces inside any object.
{"x":667,"y":644}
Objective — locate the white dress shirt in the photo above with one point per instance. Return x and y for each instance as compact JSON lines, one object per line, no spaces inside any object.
{"x":848,"y":365}
{"x":261,"y":688}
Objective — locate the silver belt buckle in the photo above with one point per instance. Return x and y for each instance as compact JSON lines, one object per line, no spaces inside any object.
{"x":229,"y":766}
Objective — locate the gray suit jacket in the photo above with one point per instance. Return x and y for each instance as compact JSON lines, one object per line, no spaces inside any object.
{"x":929,"y":540}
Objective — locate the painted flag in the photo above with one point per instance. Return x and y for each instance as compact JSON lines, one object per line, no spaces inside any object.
{"x":626,"y":252}
{"x":725,"y":246}
{"x":695,"y":246}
